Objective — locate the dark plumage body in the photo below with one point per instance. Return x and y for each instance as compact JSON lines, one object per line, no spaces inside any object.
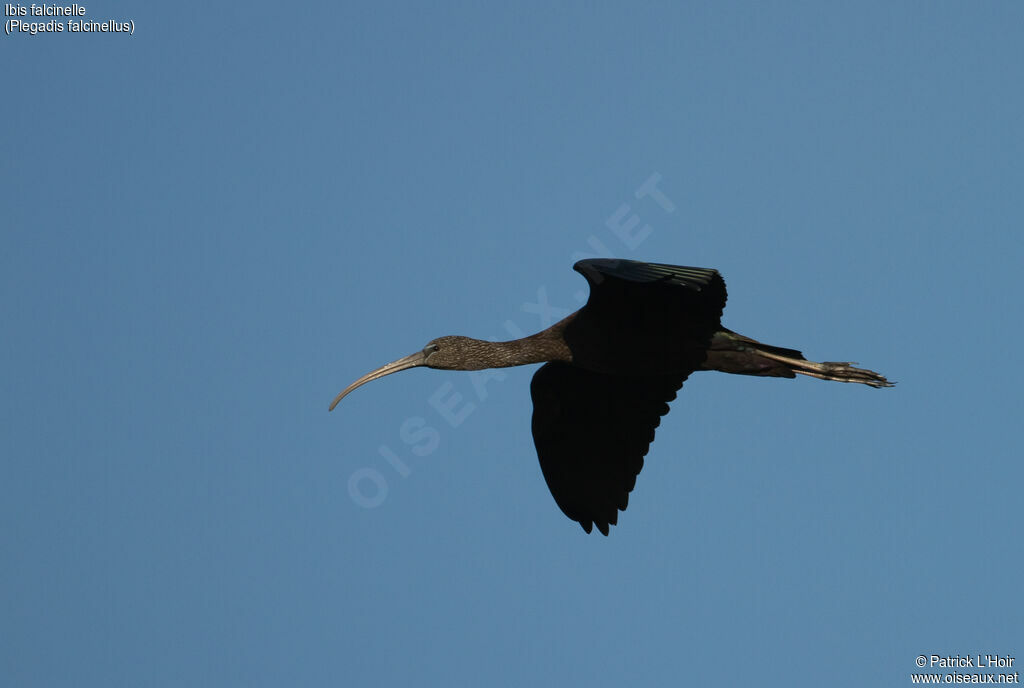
{"x":612,"y":367}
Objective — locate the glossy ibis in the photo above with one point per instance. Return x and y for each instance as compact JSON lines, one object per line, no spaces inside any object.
{"x":610,"y":370}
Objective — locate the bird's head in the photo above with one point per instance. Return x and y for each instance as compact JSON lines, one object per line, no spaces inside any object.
{"x":443,"y":353}
{"x":456,"y":353}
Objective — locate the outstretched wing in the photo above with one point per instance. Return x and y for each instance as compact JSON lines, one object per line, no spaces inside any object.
{"x":654,"y":292}
{"x":592,"y":432}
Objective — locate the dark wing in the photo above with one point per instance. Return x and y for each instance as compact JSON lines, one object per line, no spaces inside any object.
{"x":617,"y":285}
{"x":646,"y":318}
{"x":592,"y":431}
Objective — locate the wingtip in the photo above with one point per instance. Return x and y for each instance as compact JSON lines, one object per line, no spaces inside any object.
{"x":588,"y":527}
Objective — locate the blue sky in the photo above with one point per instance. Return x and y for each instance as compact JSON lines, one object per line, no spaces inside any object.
{"x":212,"y":226}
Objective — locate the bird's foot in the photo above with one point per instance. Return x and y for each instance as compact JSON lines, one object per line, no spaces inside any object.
{"x":838,"y":371}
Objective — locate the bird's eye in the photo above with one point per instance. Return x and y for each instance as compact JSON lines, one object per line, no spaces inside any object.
{"x":430,"y":348}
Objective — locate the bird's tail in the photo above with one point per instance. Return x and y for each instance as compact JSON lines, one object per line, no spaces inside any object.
{"x":732,"y":352}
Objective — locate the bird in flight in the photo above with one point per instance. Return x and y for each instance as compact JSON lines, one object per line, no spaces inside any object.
{"x":610,"y":370}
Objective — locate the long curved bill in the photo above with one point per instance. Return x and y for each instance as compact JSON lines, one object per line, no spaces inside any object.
{"x":405,"y":363}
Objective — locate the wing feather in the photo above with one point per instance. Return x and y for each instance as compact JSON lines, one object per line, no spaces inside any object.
{"x":592,"y":432}
{"x":698,"y":294}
